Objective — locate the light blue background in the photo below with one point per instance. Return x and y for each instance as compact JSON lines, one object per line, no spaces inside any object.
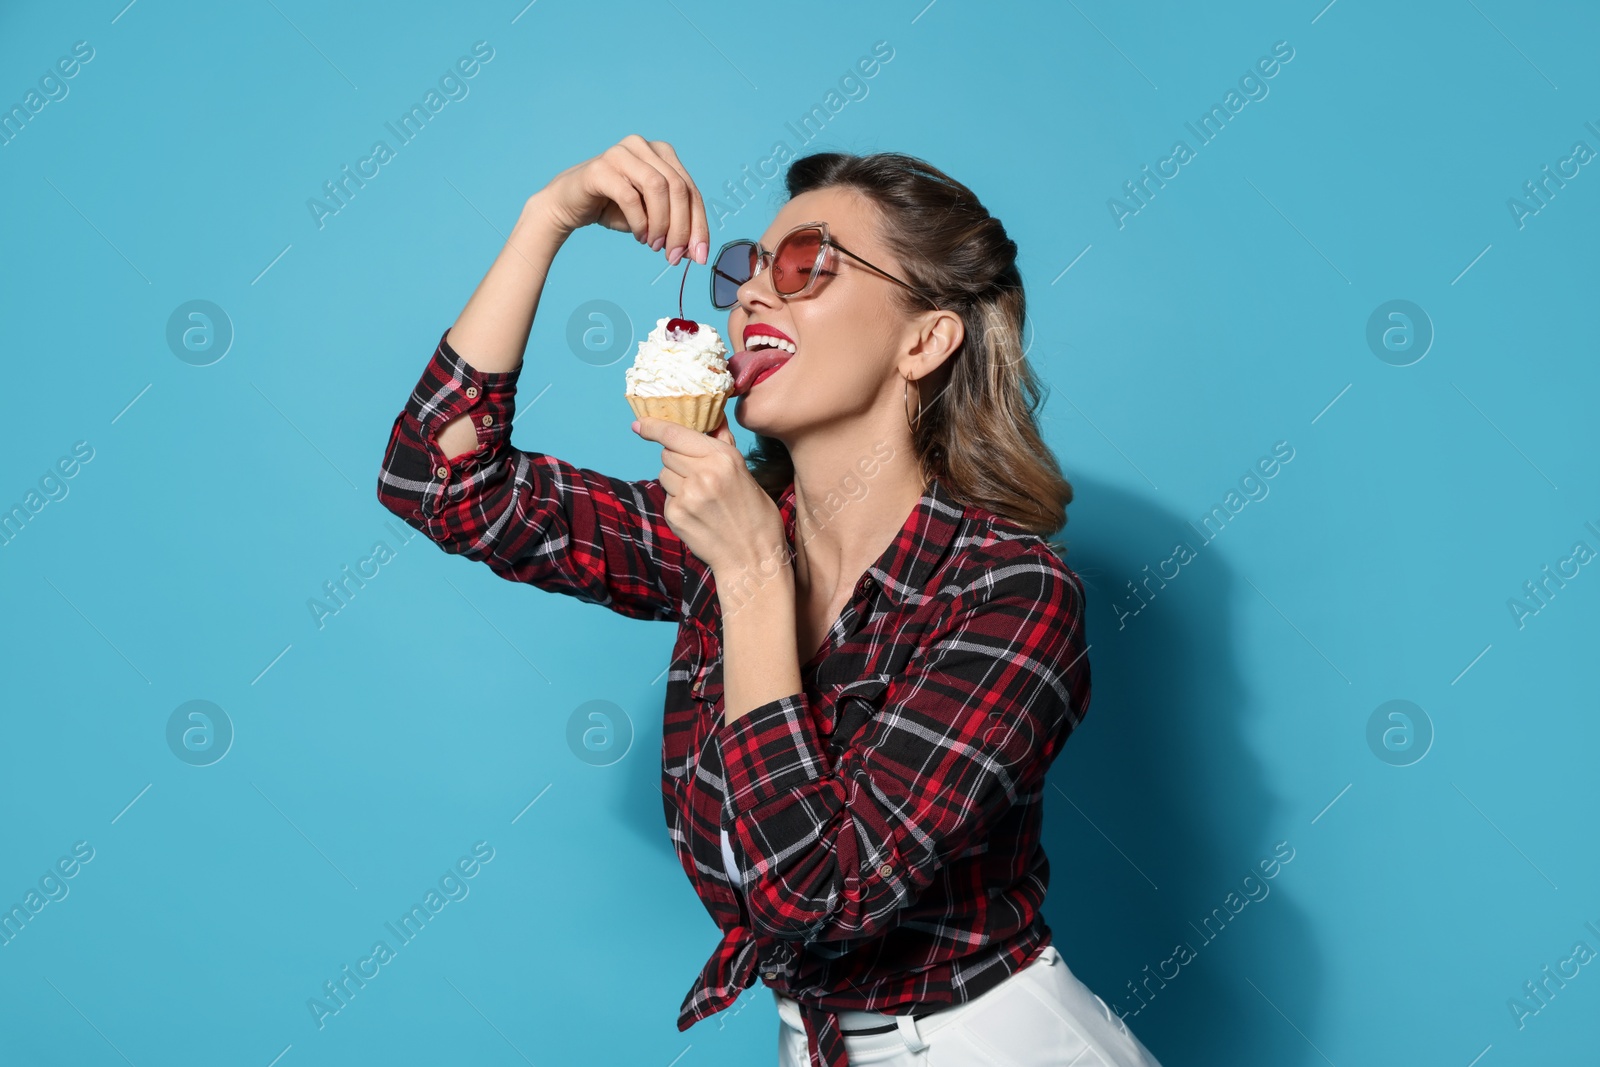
{"x":1229,"y":715}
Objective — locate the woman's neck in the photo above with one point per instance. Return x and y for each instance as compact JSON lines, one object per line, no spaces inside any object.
{"x":845,"y":519}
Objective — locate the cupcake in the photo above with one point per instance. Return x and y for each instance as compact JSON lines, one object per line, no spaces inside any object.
{"x":681,"y":373}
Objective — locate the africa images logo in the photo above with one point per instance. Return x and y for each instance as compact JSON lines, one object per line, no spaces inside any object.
{"x":452,"y":886}
{"x":452,"y":85}
{"x":1206,"y":128}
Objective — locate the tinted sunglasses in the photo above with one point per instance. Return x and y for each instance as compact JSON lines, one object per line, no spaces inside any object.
{"x":796,"y":264}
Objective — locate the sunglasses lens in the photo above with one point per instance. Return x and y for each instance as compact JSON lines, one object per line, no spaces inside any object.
{"x":792,"y":263}
{"x":732,"y":269}
{"x":791,"y":267}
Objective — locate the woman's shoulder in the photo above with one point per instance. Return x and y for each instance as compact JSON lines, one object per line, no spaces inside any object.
{"x":998,"y":555}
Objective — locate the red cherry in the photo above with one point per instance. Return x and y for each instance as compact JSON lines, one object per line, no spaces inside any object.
{"x":688,"y":326}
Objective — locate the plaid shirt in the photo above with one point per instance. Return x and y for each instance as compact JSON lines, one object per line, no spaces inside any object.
{"x":886,"y":819}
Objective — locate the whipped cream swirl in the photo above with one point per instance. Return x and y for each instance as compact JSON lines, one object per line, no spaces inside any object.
{"x":680,"y":365}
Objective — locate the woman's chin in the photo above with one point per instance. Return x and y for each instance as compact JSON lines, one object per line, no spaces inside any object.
{"x":752,"y":414}
{"x":742,"y":411}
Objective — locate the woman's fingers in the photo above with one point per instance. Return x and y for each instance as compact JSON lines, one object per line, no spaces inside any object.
{"x":643,"y":187}
{"x":616,"y":184}
{"x":676,"y":462}
{"x":651,"y":185}
{"x":675,"y":221}
{"x":699,"y":232}
{"x":678,"y":438}
{"x":649,"y":188}
{"x":634,"y":185}
{"x":672,"y":482}
{"x":683,"y":463}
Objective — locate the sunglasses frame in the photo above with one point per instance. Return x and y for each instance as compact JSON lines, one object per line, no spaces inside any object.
{"x":765,"y":258}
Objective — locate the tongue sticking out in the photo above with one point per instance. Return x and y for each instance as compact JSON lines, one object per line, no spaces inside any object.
{"x":748,"y":365}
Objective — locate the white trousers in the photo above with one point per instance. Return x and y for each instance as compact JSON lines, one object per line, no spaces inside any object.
{"x":1042,"y":1016}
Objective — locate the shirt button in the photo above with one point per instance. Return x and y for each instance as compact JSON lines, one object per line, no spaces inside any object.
{"x":472,"y":392}
{"x":488,"y":420}
{"x":442,"y":472}
{"x":770,"y":975}
{"x":885,"y":870}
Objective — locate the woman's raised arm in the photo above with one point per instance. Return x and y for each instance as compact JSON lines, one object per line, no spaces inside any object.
{"x":634,"y":185}
{"x":492,"y":331}
{"x":450,"y":470}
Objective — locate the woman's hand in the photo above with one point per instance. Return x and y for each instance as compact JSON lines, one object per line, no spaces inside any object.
{"x":634,"y":185}
{"x":714,"y":505}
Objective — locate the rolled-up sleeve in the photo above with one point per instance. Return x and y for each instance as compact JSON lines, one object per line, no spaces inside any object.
{"x":835,"y":848}
{"x":531,"y":517}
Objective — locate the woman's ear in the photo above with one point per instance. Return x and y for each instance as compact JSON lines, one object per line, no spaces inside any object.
{"x":948,"y":331}
{"x":938,"y":338}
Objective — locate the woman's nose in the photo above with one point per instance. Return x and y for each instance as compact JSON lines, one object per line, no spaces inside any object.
{"x":758,"y":292}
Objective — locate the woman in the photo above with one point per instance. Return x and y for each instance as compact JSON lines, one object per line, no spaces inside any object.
{"x":878,"y":655}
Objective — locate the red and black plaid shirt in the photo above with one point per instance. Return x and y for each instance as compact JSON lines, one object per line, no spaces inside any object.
{"x":886,"y":819}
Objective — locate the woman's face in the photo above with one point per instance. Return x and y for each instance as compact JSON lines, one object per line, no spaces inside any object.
{"x":848,"y":331}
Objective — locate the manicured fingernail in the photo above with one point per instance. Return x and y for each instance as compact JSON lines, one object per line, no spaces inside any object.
{"x":701,"y":251}
{"x":676,"y":254}
{"x":635,"y":425}
{"x":655,"y":246}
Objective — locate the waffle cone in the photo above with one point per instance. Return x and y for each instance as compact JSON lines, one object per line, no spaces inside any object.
{"x":699,"y":411}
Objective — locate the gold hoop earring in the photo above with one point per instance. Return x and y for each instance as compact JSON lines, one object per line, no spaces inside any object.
{"x":910,"y":421}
